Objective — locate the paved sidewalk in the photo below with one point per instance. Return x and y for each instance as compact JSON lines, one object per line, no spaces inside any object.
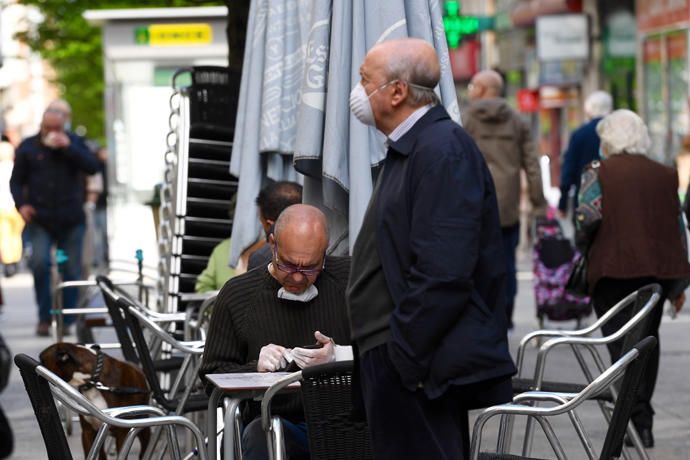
{"x":671,"y":401}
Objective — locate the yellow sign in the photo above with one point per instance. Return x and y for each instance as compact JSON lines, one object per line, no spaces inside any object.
{"x":174,"y":34}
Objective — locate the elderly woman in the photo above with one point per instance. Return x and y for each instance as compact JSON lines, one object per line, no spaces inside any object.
{"x":629,"y":223}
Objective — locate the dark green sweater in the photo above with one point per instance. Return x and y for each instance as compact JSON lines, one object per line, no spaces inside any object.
{"x":248,"y":315}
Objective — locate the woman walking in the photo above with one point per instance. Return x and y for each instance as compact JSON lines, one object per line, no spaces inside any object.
{"x":629,"y":223}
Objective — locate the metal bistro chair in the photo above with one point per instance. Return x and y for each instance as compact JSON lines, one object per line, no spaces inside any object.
{"x":327,"y":398}
{"x":631,"y":366}
{"x":43,"y":386}
{"x":179,"y":399}
{"x":111,"y":293}
{"x":638,"y":304}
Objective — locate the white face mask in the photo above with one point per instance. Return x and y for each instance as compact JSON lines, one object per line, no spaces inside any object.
{"x":310,"y":293}
{"x":360,"y":106}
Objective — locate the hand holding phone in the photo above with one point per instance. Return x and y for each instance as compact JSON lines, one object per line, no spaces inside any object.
{"x":321,"y":353}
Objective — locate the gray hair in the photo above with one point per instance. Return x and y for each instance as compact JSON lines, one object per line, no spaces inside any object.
{"x":598,"y":104}
{"x":420,"y":79}
{"x":623,"y":131}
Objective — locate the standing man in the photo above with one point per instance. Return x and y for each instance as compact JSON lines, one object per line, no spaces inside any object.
{"x":506,"y":143}
{"x":48,"y":189}
{"x":425,"y":294}
{"x":583,"y":147}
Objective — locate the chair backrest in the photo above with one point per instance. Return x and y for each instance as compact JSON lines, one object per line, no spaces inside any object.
{"x":143,"y":352}
{"x":327,"y":396}
{"x":643,"y":328}
{"x":110,"y":296}
{"x":627,"y":396}
{"x":43,"y":404}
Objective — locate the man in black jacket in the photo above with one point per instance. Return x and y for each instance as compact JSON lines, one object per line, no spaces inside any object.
{"x":425,"y":293}
{"x":48,"y":189}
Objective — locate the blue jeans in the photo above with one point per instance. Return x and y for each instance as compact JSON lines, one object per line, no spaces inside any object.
{"x":254,"y":446}
{"x":70,"y":241}
{"x":511,"y":238}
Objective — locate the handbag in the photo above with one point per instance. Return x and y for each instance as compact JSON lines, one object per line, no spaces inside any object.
{"x":577,"y":281}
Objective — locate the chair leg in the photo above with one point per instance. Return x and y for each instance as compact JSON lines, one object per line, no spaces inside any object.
{"x":231,"y":439}
{"x":637,"y":442}
{"x":505,"y":434}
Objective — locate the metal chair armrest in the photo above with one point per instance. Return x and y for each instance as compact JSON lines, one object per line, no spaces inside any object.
{"x":162,"y":334}
{"x":271,"y":392}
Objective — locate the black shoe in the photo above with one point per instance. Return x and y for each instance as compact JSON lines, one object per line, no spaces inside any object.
{"x":646,"y":437}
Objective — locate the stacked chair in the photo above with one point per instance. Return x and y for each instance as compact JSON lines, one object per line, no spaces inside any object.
{"x":198,"y":194}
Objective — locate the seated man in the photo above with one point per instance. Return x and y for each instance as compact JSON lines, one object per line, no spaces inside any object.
{"x":266,"y":316}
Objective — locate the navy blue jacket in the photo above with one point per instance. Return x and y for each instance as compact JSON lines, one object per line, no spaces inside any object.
{"x":583,"y":148}
{"x":439,"y":240}
{"x":52,"y":181}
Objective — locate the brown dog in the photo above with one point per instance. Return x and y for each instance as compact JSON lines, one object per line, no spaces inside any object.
{"x":115,"y":384}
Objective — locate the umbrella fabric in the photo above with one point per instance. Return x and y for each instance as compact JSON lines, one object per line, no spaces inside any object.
{"x":337,"y":150}
{"x":312,"y":127}
{"x":267,"y":112}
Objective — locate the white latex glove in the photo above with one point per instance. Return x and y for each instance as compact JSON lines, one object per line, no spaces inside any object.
{"x":271,"y":358}
{"x":305,"y":357}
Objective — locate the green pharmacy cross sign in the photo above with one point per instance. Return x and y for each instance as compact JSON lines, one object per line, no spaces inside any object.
{"x":457,"y":26}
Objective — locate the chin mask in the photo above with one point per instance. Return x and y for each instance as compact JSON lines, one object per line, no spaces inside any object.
{"x":310,"y":293}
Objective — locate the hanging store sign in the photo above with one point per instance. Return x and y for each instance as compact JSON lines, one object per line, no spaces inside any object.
{"x":464,"y":60}
{"x":655,"y":14}
{"x":173,"y":34}
{"x":562,"y":37}
{"x":527,"y":100}
{"x":620,"y":35}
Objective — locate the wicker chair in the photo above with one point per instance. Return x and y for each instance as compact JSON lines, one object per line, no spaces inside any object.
{"x":327,"y":398}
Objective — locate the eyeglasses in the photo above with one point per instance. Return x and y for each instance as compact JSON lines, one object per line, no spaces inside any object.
{"x":291,"y":269}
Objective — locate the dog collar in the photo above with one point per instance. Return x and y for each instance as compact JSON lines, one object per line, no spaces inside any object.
{"x":95,"y":380}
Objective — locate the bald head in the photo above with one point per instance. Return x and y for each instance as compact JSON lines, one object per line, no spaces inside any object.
{"x":302,"y":222}
{"x":486,"y":84}
{"x":60,"y":106}
{"x":412,"y":61}
{"x":300,"y":240}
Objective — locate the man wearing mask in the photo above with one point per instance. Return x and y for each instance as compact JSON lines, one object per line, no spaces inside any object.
{"x":263,"y":319}
{"x":47,"y":185}
{"x":425,"y":296}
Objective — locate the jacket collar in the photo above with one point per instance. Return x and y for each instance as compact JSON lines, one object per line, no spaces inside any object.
{"x":405,"y":145}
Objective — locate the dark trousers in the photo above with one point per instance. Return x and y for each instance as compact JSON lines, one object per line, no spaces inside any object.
{"x":511,"y":238}
{"x":606,"y":294}
{"x":70,"y":240}
{"x":255,"y":447}
{"x":405,"y":424}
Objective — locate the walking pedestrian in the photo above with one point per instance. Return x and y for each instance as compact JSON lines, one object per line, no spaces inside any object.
{"x":583,"y":148}
{"x":505,"y":140}
{"x":630,"y":226}
{"x":48,"y":189}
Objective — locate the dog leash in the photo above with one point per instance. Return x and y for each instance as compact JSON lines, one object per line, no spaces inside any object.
{"x":95,"y":380}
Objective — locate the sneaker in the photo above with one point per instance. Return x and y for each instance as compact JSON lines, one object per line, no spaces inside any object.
{"x":43,"y":329}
